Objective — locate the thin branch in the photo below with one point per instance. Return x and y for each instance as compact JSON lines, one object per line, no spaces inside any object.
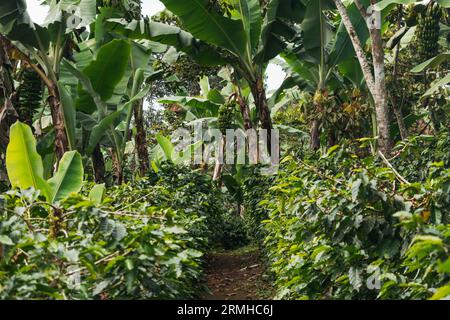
{"x":104,"y":259}
{"x":397,"y":174}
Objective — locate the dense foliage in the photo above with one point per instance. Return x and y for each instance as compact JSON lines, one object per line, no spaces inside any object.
{"x":333,"y":222}
{"x":103,"y":252}
{"x":99,"y":198}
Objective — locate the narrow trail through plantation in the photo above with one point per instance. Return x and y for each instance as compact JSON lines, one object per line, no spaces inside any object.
{"x":236,"y":275}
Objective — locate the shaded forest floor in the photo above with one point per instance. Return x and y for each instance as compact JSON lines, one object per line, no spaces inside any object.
{"x":237,"y":275}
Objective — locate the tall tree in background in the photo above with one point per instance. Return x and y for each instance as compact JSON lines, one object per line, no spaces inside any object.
{"x":247,"y":41}
{"x":374,"y":77}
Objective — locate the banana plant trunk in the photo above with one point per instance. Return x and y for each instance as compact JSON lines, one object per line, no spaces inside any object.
{"x":315,"y":135}
{"x":259,"y":95}
{"x":5,"y":72}
{"x":98,"y":164}
{"x":396,"y":105}
{"x":140,"y":139}
{"x":245,"y":111}
{"x":8,"y":114}
{"x":117,"y":168}
{"x":61,"y":140}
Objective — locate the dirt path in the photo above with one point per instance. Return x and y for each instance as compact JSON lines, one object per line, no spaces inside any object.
{"x":237,"y":275}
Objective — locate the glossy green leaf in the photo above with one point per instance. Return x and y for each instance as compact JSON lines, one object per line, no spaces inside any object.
{"x":85,"y":82}
{"x":317,"y":30}
{"x":432,"y":63}
{"x":166,"y":146}
{"x":4,"y":239}
{"x":276,"y":27}
{"x":208,"y":26}
{"x":200,"y":51}
{"x":215,"y":96}
{"x":23,"y":163}
{"x":105,"y":73}
{"x":442,"y":293}
{"x":16,"y":24}
{"x":99,"y":130}
{"x":435,"y":86}
{"x":250,"y":14}
{"x":97,"y":193}
{"x":69,"y":177}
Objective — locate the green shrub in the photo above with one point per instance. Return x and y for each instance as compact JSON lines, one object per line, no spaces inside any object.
{"x":255,"y":187}
{"x":333,"y":225}
{"x":102,"y":252}
{"x":194,"y":192}
{"x":233,"y":233}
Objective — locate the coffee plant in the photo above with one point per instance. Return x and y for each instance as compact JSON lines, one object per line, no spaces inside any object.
{"x":326,"y":237}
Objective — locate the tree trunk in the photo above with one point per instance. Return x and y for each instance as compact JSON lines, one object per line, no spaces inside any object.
{"x":332,"y":139}
{"x":5,"y":70}
{"x":217,"y":171}
{"x":376,"y":83}
{"x":98,"y":164}
{"x":380,"y":94}
{"x":61,"y":141}
{"x":315,"y":136}
{"x":219,"y":164}
{"x":117,"y":168}
{"x":7,"y":88}
{"x":245,"y":111}
{"x":259,"y":95}
{"x":141,"y":140}
{"x":365,"y":66}
{"x":396,"y":105}
{"x":8,"y":114}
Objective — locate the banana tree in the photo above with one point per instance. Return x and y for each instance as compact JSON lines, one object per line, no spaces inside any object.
{"x":315,"y":47}
{"x":43,"y":48}
{"x":437,"y":85}
{"x":250,"y":38}
{"x":312,"y":63}
{"x":246,"y":41}
{"x":214,"y":108}
{"x":110,"y":89}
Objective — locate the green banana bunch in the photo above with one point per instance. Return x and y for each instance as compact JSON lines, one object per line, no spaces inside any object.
{"x":226,"y":116}
{"x":427,"y":32}
{"x":30,"y":98}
